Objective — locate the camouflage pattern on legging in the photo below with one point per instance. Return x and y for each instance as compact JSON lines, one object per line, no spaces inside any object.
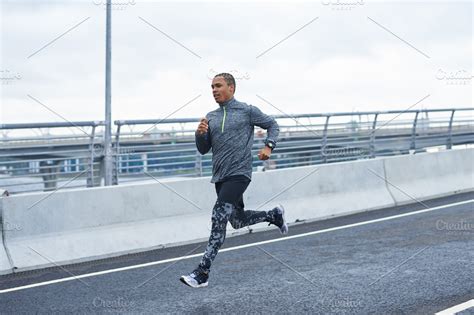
{"x":241,"y":218}
{"x":221,"y":214}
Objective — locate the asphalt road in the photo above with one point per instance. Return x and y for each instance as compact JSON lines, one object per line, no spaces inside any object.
{"x":420,"y":263}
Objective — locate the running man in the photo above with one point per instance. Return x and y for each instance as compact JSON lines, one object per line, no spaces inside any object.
{"x":229,"y":132}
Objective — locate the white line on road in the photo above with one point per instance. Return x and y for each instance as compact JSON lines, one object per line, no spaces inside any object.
{"x":98,"y":273}
{"x":457,"y":308}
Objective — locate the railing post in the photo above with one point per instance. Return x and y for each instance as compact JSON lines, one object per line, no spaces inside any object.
{"x":413,"y":132}
{"x":198,"y":164}
{"x":450,"y":131}
{"x":90,"y":172}
{"x":324,"y":140}
{"x":116,"y":165}
{"x":372,"y":136}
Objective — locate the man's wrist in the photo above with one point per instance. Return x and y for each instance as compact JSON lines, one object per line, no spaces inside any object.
{"x":270,"y":144}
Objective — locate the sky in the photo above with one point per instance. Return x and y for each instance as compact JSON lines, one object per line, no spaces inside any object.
{"x":287,"y":57}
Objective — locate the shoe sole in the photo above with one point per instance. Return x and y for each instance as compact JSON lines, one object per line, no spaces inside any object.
{"x":284,"y":228}
{"x":202,"y":285}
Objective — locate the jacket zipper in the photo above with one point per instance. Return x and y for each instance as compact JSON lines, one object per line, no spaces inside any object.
{"x":223,"y":120}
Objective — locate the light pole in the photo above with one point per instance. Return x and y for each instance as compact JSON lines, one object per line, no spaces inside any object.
{"x":108,"y":110}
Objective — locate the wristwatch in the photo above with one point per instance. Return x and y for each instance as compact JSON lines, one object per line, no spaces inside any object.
{"x":271,"y":144}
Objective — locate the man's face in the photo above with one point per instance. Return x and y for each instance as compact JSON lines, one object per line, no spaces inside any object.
{"x":221,"y":91}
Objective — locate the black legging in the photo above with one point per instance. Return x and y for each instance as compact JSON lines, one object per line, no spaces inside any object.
{"x":229,"y":207}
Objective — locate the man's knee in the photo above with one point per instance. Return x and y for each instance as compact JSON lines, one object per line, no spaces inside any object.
{"x":218,"y":225}
{"x":235,"y":224}
{"x":235,"y":221}
{"x":220,"y":215}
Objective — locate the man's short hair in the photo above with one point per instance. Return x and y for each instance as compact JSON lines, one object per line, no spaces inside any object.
{"x":229,"y":79}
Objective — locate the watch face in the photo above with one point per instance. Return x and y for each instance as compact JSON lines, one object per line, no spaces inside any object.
{"x":270,"y":144}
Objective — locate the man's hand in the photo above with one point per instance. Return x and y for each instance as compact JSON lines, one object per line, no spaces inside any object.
{"x":265,"y":153}
{"x":203,"y":126}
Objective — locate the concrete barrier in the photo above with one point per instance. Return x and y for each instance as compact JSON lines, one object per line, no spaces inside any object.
{"x":427,"y":175}
{"x":84,"y":224}
{"x":5,"y":266}
{"x":317,"y":192}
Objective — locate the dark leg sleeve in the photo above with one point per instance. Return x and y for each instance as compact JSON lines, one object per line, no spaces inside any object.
{"x":241,"y":218}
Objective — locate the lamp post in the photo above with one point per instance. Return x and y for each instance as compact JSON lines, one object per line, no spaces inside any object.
{"x":108,"y":110}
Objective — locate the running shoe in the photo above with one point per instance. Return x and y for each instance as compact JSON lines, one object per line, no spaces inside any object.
{"x":196,"y":279}
{"x":278,"y":218}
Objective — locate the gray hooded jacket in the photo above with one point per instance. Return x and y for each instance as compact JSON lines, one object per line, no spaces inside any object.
{"x":230,"y":135}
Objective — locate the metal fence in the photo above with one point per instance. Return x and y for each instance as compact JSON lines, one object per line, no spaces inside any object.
{"x":50,"y":156}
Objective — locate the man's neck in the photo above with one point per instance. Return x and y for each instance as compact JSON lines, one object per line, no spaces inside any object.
{"x":226,"y":102}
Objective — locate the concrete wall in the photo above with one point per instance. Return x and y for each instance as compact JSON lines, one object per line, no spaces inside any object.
{"x":5,"y":265}
{"x":437,"y":174}
{"x":84,"y":224}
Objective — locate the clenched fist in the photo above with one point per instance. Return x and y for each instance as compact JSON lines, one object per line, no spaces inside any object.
{"x":203,"y":126}
{"x":265,"y":153}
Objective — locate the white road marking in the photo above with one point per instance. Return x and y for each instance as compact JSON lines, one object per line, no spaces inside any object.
{"x":98,"y":273}
{"x":457,"y":308}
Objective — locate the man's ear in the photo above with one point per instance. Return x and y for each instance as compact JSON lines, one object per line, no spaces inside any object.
{"x":233,"y":88}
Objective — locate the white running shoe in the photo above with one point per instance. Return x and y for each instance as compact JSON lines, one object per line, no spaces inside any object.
{"x":196,"y":279}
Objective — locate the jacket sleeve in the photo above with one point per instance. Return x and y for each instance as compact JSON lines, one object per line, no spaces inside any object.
{"x":257,"y":118}
{"x":203,"y":142}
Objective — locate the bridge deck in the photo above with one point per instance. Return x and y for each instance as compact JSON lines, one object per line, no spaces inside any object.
{"x":419,"y":263}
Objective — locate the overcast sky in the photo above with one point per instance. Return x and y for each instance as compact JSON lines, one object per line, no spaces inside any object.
{"x":291,"y":57}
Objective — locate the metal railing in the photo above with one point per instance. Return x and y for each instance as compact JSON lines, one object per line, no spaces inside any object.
{"x":151,"y":149}
{"x":46,"y":161}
